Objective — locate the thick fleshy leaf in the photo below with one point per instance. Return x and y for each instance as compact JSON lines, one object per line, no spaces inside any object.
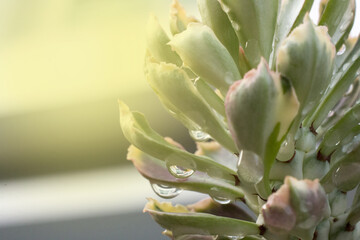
{"x":354,"y":215}
{"x":323,"y":229}
{"x":314,"y":166}
{"x":200,"y":223}
{"x":230,"y":210}
{"x":137,"y":131}
{"x":213,"y":16}
{"x":174,"y":87}
{"x":157,"y":172}
{"x":338,"y":16}
{"x":322,"y":6}
{"x":338,"y":203}
{"x":343,"y":53}
{"x":306,"y":58}
{"x":205,"y":55}
{"x":195,"y":237}
{"x":309,"y":201}
{"x":344,"y":172}
{"x":215,"y":151}
{"x":210,"y":96}
{"x":340,"y":84}
{"x":254,"y":22}
{"x":346,"y":102}
{"x":291,"y":13}
{"x":260,"y":110}
{"x":296,"y":208}
{"x":293,"y":167}
{"x":178,"y":18}
{"x":157,"y":40}
{"x":335,"y":136}
{"x":255,"y":105}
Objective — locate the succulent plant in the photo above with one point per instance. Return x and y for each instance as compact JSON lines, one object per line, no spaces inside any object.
{"x":271,"y":100}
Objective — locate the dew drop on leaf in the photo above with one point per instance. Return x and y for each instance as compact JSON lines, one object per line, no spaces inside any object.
{"x":286,"y":150}
{"x":250,"y":167}
{"x":229,"y":237}
{"x":199,"y":136}
{"x":218,"y":196}
{"x":179,"y":166}
{"x":165,"y":191}
{"x":180,"y":172}
{"x":221,"y":200}
{"x":350,"y":90}
{"x":341,"y":50}
{"x":347,"y":176}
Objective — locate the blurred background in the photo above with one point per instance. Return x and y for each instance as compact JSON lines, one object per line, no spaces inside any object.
{"x":63,"y":167}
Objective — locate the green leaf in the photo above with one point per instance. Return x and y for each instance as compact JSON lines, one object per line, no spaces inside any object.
{"x":255,"y":105}
{"x":335,"y":136}
{"x":215,"y":151}
{"x":157,"y":40}
{"x":260,"y":111}
{"x":344,"y":52}
{"x":344,"y":172}
{"x":306,"y":58}
{"x":210,"y":96}
{"x":290,"y":15}
{"x":314,"y":168}
{"x":354,"y":215}
{"x":338,"y":16}
{"x":201,"y":223}
{"x":213,"y":16}
{"x":293,"y":167}
{"x":174,"y":88}
{"x":205,"y":55}
{"x":137,"y":131}
{"x":178,"y":18}
{"x":340,"y":84}
{"x":230,"y":210}
{"x":156,"y":171}
{"x":296,"y":208}
{"x":195,"y":237}
{"x":338,"y":202}
{"x":254,"y":22}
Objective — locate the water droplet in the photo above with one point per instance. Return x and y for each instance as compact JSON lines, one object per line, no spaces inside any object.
{"x":221,"y":200}
{"x":229,"y":78}
{"x":354,"y":57}
{"x":216,"y":194}
{"x":346,"y":66}
{"x":200,"y":136}
{"x":332,"y":140}
{"x":350,"y":90}
{"x":196,"y":80}
{"x":180,"y":172}
{"x":226,"y":8}
{"x":165,"y":191}
{"x":306,"y":140}
{"x":331,"y":114}
{"x":343,"y":27}
{"x":308,"y":107}
{"x":236,"y":26}
{"x":229,"y":237}
{"x":347,"y":176}
{"x":348,"y":148}
{"x":180,"y":167}
{"x":287,"y":149}
{"x":341,"y":50}
{"x":250,"y":167}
